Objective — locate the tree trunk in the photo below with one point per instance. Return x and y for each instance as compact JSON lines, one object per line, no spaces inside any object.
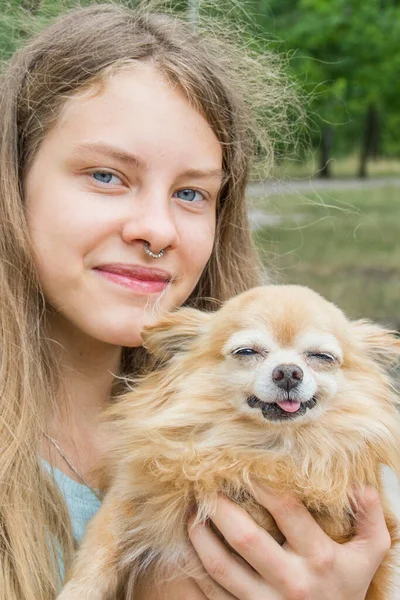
{"x":371,"y":139}
{"x":326,"y":147}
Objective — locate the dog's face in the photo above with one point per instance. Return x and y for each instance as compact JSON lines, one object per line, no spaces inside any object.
{"x":276,"y":354}
{"x":285,"y":350}
{"x":283,"y":379}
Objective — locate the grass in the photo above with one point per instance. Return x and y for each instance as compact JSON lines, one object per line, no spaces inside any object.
{"x":346,"y":245}
{"x":343,"y":167}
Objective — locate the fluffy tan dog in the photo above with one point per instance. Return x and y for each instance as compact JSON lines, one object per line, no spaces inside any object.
{"x":276,"y":388}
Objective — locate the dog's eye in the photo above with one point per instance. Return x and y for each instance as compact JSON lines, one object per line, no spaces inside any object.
{"x":245,"y":352}
{"x":324,"y":356}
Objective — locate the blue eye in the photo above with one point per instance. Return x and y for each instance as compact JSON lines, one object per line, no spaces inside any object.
{"x":244,"y":352}
{"x":190,"y":195}
{"x":106,"y":177}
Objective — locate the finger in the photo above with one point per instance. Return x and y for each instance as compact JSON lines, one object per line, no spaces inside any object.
{"x":235,"y":577}
{"x":371,"y":529}
{"x":176,"y":588}
{"x":252,"y":543}
{"x":209,"y":587}
{"x":213,"y":591}
{"x":303,"y":534}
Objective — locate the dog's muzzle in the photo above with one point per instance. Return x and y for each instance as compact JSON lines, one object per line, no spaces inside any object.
{"x":282,"y":410}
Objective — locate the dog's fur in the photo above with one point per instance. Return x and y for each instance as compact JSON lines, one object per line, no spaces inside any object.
{"x":186,"y":432}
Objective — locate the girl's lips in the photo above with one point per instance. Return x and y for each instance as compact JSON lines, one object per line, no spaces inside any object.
{"x":137,"y":278}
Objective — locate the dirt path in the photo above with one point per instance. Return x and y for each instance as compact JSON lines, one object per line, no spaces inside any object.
{"x":260,"y":217}
{"x":316,"y":185}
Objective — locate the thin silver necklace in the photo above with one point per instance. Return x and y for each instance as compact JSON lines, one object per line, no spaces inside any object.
{"x":71,"y":466}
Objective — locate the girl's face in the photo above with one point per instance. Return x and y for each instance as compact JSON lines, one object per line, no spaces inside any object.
{"x":131,"y":163}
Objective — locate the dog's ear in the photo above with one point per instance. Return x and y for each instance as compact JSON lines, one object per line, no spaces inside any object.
{"x":383,"y":344}
{"x":175,"y":332}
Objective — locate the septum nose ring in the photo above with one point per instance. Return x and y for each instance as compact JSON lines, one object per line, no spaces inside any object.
{"x":146,"y":247}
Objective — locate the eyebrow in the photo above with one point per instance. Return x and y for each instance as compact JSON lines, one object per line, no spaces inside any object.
{"x":113,"y":151}
{"x":132,"y":159}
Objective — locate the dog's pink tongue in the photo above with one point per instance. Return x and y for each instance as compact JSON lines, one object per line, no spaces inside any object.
{"x":289,"y":405}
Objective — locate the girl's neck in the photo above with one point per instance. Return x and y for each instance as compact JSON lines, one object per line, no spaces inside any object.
{"x":87,"y":371}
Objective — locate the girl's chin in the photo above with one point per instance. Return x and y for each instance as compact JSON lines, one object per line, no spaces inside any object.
{"x":119,"y":327}
{"x":128,"y":335}
{"x":122,"y":339}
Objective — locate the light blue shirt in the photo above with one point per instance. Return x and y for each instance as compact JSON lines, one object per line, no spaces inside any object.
{"x":81,"y":501}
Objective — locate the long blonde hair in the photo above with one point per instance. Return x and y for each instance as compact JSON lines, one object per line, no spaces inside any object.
{"x":79,"y":50}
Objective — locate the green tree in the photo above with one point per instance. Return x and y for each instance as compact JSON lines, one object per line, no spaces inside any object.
{"x":348,"y":56}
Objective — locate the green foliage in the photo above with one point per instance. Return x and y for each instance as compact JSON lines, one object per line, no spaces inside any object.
{"x":20,"y":19}
{"x":348,"y":57}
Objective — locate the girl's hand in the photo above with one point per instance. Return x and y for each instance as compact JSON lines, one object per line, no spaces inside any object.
{"x":176,"y":589}
{"x":308,"y":566}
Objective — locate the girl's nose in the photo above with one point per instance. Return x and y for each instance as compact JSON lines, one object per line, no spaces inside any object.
{"x":153,"y":222}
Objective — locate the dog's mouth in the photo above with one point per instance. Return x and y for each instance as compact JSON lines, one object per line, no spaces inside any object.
{"x":283,"y":410}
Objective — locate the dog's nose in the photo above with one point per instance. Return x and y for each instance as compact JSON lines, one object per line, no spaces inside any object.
{"x":287,"y":377}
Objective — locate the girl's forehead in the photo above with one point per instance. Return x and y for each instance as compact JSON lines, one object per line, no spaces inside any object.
{"x":139,"y":106}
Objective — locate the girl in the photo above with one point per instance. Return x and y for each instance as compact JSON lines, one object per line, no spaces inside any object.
{"x":124,"y":157}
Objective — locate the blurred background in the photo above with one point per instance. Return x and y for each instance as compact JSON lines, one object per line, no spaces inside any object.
{"x":329,"y":215}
